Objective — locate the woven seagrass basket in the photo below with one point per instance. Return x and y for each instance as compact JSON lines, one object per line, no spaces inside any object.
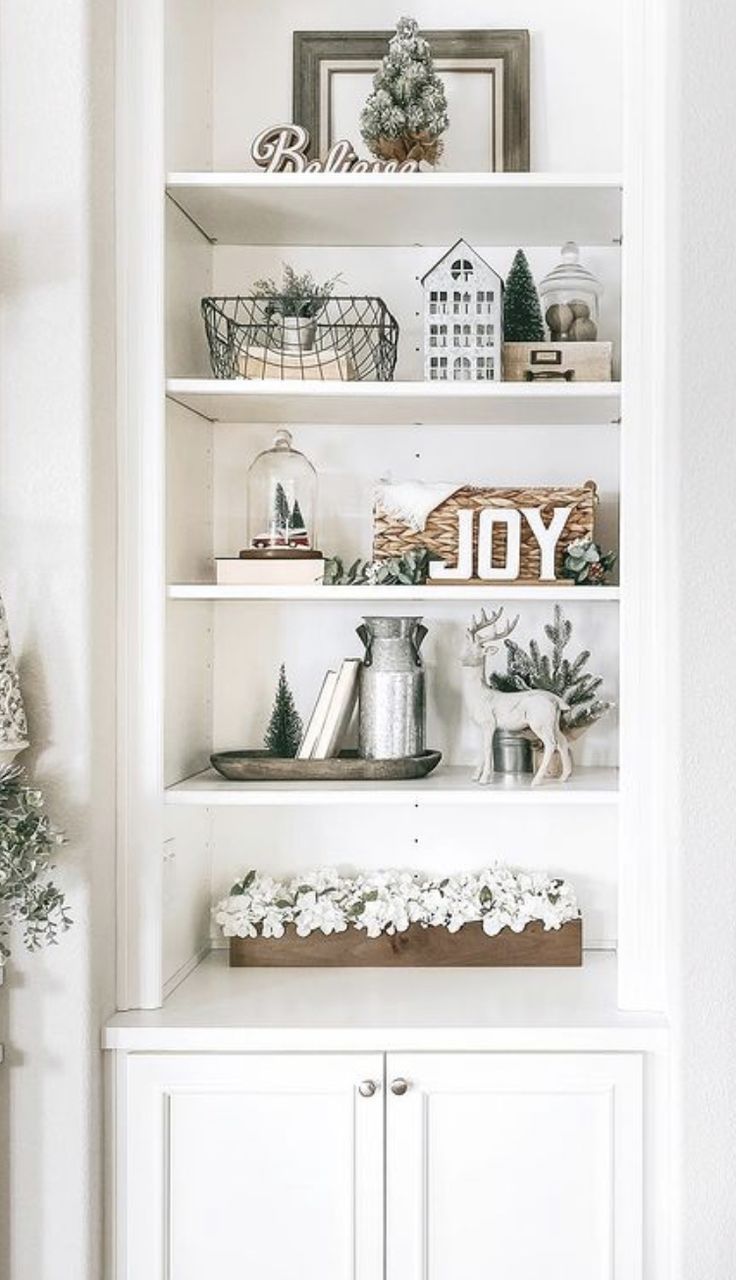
{"x":393,"y":538}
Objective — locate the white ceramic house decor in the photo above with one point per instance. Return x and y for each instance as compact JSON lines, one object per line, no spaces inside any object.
{"x":13,"y":726}
{"x":462,"y":318}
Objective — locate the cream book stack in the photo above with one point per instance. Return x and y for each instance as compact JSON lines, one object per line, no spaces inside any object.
{"x":332,"y":714}
{"x":301,"y":570}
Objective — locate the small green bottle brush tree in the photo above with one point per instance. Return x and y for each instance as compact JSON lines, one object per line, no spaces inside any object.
{"x":406,"y":114}
{"x":522,"y":313}
{"x":285,"y":730}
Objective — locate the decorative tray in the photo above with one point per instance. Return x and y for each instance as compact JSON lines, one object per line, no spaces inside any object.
{"x":259,"y":766}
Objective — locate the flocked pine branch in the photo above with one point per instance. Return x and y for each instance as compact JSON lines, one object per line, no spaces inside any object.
{"x":555,"y":673}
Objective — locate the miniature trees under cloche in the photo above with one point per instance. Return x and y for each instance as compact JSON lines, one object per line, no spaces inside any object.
{"x":406,"y":114}
{"x":282,"y":499}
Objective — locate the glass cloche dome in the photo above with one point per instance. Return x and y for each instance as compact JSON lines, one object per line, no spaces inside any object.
{"x":570,"y":299}
{"x":282,"y":500}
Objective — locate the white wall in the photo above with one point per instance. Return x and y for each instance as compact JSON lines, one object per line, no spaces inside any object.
{"x":575,"y":99}
{"x":57,"y":511}
{"x":704,"y":868}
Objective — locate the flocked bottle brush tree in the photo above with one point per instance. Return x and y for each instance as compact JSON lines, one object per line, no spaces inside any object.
{"x":405,"y":116}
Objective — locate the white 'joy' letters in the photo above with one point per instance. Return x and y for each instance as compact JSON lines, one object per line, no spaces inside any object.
{"x":546,"y":537}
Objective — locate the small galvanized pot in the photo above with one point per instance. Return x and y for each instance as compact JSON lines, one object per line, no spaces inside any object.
{"x":512,"y":752}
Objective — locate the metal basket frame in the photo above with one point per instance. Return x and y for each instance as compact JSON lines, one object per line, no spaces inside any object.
{"x":352,"y":338}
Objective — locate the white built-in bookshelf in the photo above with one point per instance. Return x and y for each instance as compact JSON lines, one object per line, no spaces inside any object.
{"x":198,"y":662}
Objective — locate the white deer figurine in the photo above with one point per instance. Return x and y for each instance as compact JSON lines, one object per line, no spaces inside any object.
{"x":532,"y":709}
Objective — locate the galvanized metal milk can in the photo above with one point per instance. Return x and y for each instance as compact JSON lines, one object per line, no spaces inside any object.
{"x":392,"y":695}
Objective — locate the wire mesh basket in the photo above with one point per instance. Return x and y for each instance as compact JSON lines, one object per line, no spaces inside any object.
{"x":349,"y":339}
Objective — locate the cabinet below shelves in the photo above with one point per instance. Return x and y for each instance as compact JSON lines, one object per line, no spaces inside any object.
{"x":449,"y":785}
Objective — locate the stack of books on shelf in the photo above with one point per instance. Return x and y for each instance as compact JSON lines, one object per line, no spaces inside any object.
{"x":333,"y":711}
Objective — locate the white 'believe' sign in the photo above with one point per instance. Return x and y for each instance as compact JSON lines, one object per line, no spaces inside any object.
{"x":283,"y":148}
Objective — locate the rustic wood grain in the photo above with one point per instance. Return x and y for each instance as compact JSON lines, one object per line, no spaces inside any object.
{"x":260,"y":766}
{"x":416,"y":948}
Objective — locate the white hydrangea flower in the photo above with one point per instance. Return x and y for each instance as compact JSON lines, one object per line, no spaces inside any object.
{"x":390,"y":901}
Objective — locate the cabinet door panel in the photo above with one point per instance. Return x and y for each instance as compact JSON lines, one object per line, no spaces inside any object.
{"x":513,"y":1166}
{"x":265,"y":1166}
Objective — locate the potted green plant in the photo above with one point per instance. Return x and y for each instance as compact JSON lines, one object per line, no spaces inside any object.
{"x":297,"y":302}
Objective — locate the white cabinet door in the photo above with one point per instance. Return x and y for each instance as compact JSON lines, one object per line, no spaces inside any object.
{"x":259,"y":1166}
{"x":514,"y":1167}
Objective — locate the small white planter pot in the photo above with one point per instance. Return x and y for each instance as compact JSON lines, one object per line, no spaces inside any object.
{"x":298,"y":333}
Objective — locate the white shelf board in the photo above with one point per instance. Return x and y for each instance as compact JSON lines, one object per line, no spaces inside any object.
{"x":453,"y":785}
{"x":400,"y":403}
{"x":237,"y":1010}
{"x":338,"y":595}
{"x":401,"y":209}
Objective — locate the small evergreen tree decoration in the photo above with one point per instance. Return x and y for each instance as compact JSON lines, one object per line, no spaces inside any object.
{"x":296,"y":520}
{"x":555,"y":673}
{"x":280,"y":508}
{"x":522,"y":314}
{"x":284,"y":732}
{"x":406,"y":114}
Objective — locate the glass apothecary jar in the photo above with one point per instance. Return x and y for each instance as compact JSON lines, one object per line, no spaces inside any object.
{"x":571,"y":297}
{"x":282,"y":500}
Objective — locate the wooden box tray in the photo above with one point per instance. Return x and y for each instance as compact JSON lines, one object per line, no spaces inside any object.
{"x":259,"y":766}
{"x":417,"y":947}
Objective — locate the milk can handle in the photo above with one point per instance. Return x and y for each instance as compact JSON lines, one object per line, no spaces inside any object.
{"x":367,"y":639}
{"x":418,"y":635}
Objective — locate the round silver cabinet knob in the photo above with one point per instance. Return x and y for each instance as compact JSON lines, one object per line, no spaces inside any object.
{"x":367,"y":1088}
{"x":399,"y":1086}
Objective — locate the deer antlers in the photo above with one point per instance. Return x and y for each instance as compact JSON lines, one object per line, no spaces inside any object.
{"x":490,"y":624}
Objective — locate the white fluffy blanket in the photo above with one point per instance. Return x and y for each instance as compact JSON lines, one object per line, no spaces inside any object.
{"x":412,"y":501}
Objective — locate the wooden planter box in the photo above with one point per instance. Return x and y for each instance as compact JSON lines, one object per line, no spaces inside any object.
{"x":417,"y":947}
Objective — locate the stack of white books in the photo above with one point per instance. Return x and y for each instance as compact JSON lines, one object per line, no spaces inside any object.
{"x":333,"y":711}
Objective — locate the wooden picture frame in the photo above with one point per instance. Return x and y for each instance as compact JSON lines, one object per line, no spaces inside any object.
{"x":319,"y":56}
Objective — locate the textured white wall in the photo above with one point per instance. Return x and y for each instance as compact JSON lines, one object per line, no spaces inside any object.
{"x":57,"y":512}
{"x":704,"y":875}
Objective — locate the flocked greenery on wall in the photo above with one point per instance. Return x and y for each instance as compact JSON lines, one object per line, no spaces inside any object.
{"x":29,"y":897}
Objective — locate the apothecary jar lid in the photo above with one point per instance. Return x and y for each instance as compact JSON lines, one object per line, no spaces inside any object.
{"x":570,"y":276}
